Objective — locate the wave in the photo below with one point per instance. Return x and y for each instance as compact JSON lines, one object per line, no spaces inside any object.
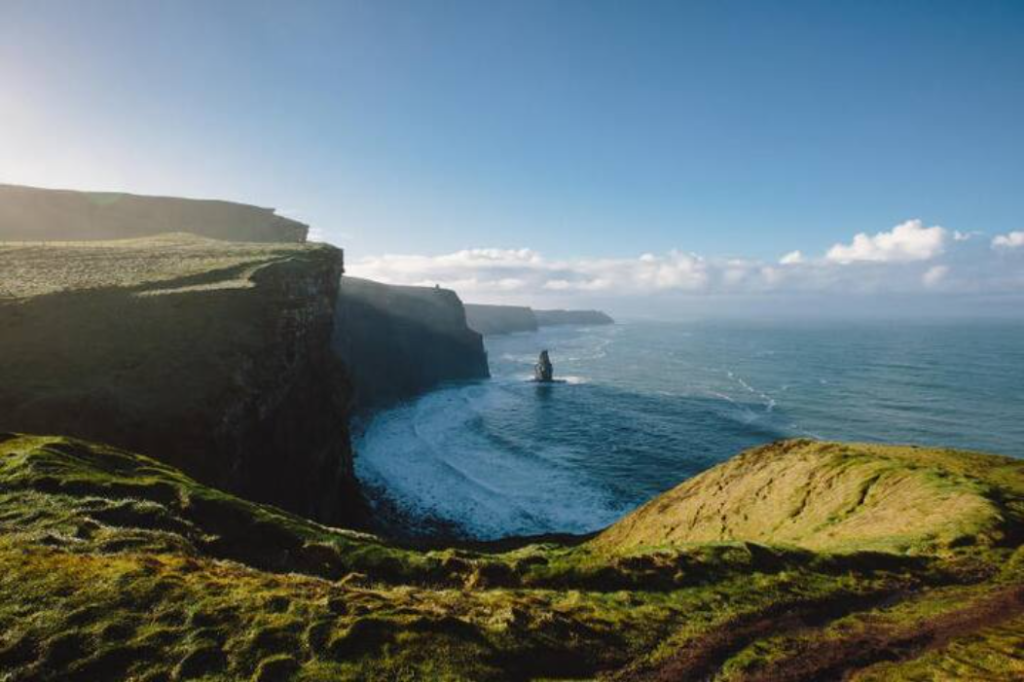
{"x":435,"y":459}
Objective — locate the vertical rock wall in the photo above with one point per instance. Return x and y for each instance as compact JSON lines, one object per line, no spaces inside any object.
{"x":399,"y":341}
{"x":228,"y":374}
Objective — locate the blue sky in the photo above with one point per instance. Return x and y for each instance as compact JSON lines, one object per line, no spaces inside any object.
{"x":582,"y":131}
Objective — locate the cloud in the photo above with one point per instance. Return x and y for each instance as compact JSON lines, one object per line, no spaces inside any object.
{"x":934,"y":275}
{"x":504,"y":270}
{"x":910,"y":258}
{"x":1011,"y":240}
{"x":909,"y":241}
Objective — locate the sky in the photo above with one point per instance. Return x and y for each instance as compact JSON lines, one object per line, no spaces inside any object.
{"x":645,"y":156}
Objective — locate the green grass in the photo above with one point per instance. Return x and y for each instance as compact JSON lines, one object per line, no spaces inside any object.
{"x":147,"y":264}
{"x":838,"y":497}
{"x":115,"y":566}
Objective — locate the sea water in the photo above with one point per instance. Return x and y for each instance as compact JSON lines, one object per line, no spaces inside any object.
{"x":646,"y":405}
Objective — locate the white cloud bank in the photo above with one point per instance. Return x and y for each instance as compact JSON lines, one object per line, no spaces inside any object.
{"x":515,"y":270}
{"x":1012,"y":240}
{"x":909,"y":258}
{"x":909,"y":241}
{"x":934,"y":275}
{"x":792,"y":258}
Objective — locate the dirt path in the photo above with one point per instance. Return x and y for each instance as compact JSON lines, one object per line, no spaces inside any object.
{"x":834,"y":659}
{"x":840,"y":659}
{"x":701,"y":658}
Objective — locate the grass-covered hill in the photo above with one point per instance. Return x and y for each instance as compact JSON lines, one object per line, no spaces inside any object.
{"x":115,"y":566}
{"x":838,"y":497}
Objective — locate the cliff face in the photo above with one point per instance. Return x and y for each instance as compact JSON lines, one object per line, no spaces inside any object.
{"x":212,"y":356}
{"x":500,"y":319}
{"x":398,"y":341}
{"x":508,"y":319}
{"x":548,"y":318}
{"x":34,"y":214}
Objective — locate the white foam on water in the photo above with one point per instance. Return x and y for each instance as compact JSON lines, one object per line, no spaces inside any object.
{"x":435,"y":460}
{"x":768,"y":400}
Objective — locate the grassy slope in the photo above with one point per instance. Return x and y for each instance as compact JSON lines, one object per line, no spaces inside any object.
{"x":34,"y":213}
{"x":116,"y":566}
{"x":149,"y":265}
{"x":834,"y":496}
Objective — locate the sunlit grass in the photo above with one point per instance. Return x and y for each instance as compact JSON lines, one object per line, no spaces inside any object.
{"x":116,"y":566}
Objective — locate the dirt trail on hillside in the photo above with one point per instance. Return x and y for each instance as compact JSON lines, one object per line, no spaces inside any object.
{"x":833,"y":659}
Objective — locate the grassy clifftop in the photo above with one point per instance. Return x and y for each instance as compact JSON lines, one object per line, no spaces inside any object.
{"x":835,"y":497}
{"x":113,"y":565}
{"x":147,"y":265}
{"x":33,"y":213}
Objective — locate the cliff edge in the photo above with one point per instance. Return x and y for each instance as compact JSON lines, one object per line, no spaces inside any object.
{"x":36,"y":214}
{"x":399,"y":341}
{"x":209,"y":355}
{"x":500,"y":319}
{"x":490,"y":320}
{"x":550,"y":318}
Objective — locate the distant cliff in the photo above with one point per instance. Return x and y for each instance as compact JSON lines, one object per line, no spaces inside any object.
{"x":34,"y":214}
{"x":214,"y":357}
{"x":549,"y":318}
{"x":507,"y":319}
{"x":500,"y":319}
{"x":398,"y":341}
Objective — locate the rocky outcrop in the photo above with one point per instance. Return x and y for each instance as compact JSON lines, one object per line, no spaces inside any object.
{"x":549,"y":318}
{"x":543,"y":371}
{"x":211,"y":356}
{"x":398,"y":341}
{"x":35,"y":214}
{"x":508,"y":319}
{"x":500,"y":319}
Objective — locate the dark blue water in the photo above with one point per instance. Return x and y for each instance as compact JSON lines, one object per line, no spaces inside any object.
{"x":646,"y":405}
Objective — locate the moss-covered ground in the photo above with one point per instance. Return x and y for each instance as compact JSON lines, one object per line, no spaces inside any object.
{"x":114,"y":566}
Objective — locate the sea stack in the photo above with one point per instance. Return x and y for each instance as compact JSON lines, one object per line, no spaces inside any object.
{"x":543,"y":371}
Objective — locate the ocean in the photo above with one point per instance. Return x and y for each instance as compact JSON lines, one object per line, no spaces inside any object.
{"x":645,"y":405}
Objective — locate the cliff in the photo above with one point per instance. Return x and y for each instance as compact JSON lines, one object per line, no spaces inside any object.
{"x":500,"y":319}
{"x":398,"y":341}
{"x":130,"y":569}
{"x":212,"y":356}
{"x":34,"y":214}
{"x":548,"y":318}
{"x":508,"y":319}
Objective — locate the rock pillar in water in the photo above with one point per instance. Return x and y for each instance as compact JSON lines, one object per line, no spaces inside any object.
{"x":543,"y":371}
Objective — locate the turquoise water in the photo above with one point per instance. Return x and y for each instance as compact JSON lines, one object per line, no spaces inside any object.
{"x":646,"y":405}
